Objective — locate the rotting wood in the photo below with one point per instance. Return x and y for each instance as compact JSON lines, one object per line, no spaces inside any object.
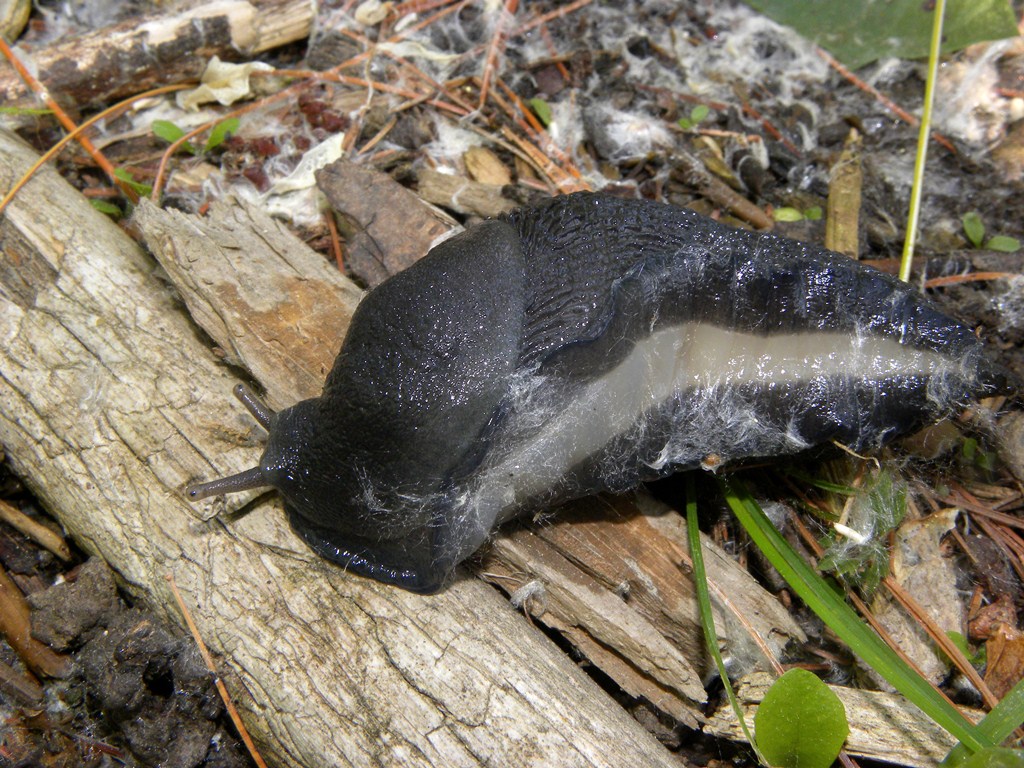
{"x":110,"y":402}
{"x":161,"y":49}
{"x":279,"y":310}
{"x":616,"y":585}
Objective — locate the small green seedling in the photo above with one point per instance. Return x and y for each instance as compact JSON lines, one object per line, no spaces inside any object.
{"x":975,"y":455}
{"x":169,"y":132}
{"x":221,"y":132}
{"x":974,"y":229}
{"x":144,"y":190}
{"x":697,"y":115}
{"x":976,"y":657}
{"x":787,"y":213}
{"x":541,"y":109}
{"x":106,"y":207}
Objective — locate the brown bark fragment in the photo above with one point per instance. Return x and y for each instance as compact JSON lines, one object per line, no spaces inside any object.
{"x":387,"y":228}
{"x":463,"y":195}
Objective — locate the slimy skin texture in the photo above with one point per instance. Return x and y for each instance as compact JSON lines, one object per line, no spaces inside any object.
{"x":588,"y":344}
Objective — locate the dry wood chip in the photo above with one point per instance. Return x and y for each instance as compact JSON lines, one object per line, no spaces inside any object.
{"x":463,"y":195}
{"x":1005,"y":654}
{"x":484,"y":166}
{"x":387,"y":228}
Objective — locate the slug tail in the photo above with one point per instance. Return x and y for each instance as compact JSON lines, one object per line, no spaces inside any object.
{"x":994,"y":379}
{"x":243,"y":481}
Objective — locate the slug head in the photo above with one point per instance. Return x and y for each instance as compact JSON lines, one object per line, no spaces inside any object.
{"x":369,"y":469}
{"x":328,"y":499}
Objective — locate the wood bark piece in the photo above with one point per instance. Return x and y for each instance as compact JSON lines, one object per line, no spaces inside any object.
{"x":883,"y":726}
{"x":161,"y":49}
{"x":387,"y":228}
{"x":463,"y":195}
{"x":110,"y":401}
{"x":612,"y":575}
{"x":271,"y":303}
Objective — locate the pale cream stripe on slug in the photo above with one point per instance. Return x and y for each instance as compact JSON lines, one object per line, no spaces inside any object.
{"x":678,"y":359}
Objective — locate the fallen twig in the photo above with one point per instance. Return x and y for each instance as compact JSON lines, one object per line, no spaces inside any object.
{"x":221,"y":688}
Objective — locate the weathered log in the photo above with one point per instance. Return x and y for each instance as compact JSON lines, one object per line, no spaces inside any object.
{"x":161,"y":49}
{"x":110,"y":402}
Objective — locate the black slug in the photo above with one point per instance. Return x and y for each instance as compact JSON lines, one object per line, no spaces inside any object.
{"x":587,"y":344}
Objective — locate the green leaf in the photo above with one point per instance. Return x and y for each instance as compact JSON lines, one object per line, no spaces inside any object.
{"x":860,"y":31}
{"x":221,"y":132}
{"x":1003,"y":244}
{"x":974,"y":228}
{"x":697,"y":114}
{"x":800,"y":723}
{"x":977,"y":658}
{"x":844,"y":622}
{"x":106,"y":207}
{"x":996,"y":726}
{"x":542,"y":109}
{"x":813,"y":213}
{"x":25,"y":111}
{"x":169,"y":132}
{"x":995,"y":757}
{"x":143,"y":189}
{"x":787,"y":214}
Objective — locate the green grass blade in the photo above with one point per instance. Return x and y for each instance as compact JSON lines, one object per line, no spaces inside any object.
{"x":997,"y":725}
{"x":707,"y":619}
{"x":922,"y":140}
{"x":844,"y":621}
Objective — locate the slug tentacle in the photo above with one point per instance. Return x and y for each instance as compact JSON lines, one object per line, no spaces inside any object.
{"x":587,"y":344}
{"x":243,"y":481}
{"x":259,"y":410}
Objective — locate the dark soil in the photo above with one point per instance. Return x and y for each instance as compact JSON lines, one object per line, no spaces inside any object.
{"x":138,"y":694}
